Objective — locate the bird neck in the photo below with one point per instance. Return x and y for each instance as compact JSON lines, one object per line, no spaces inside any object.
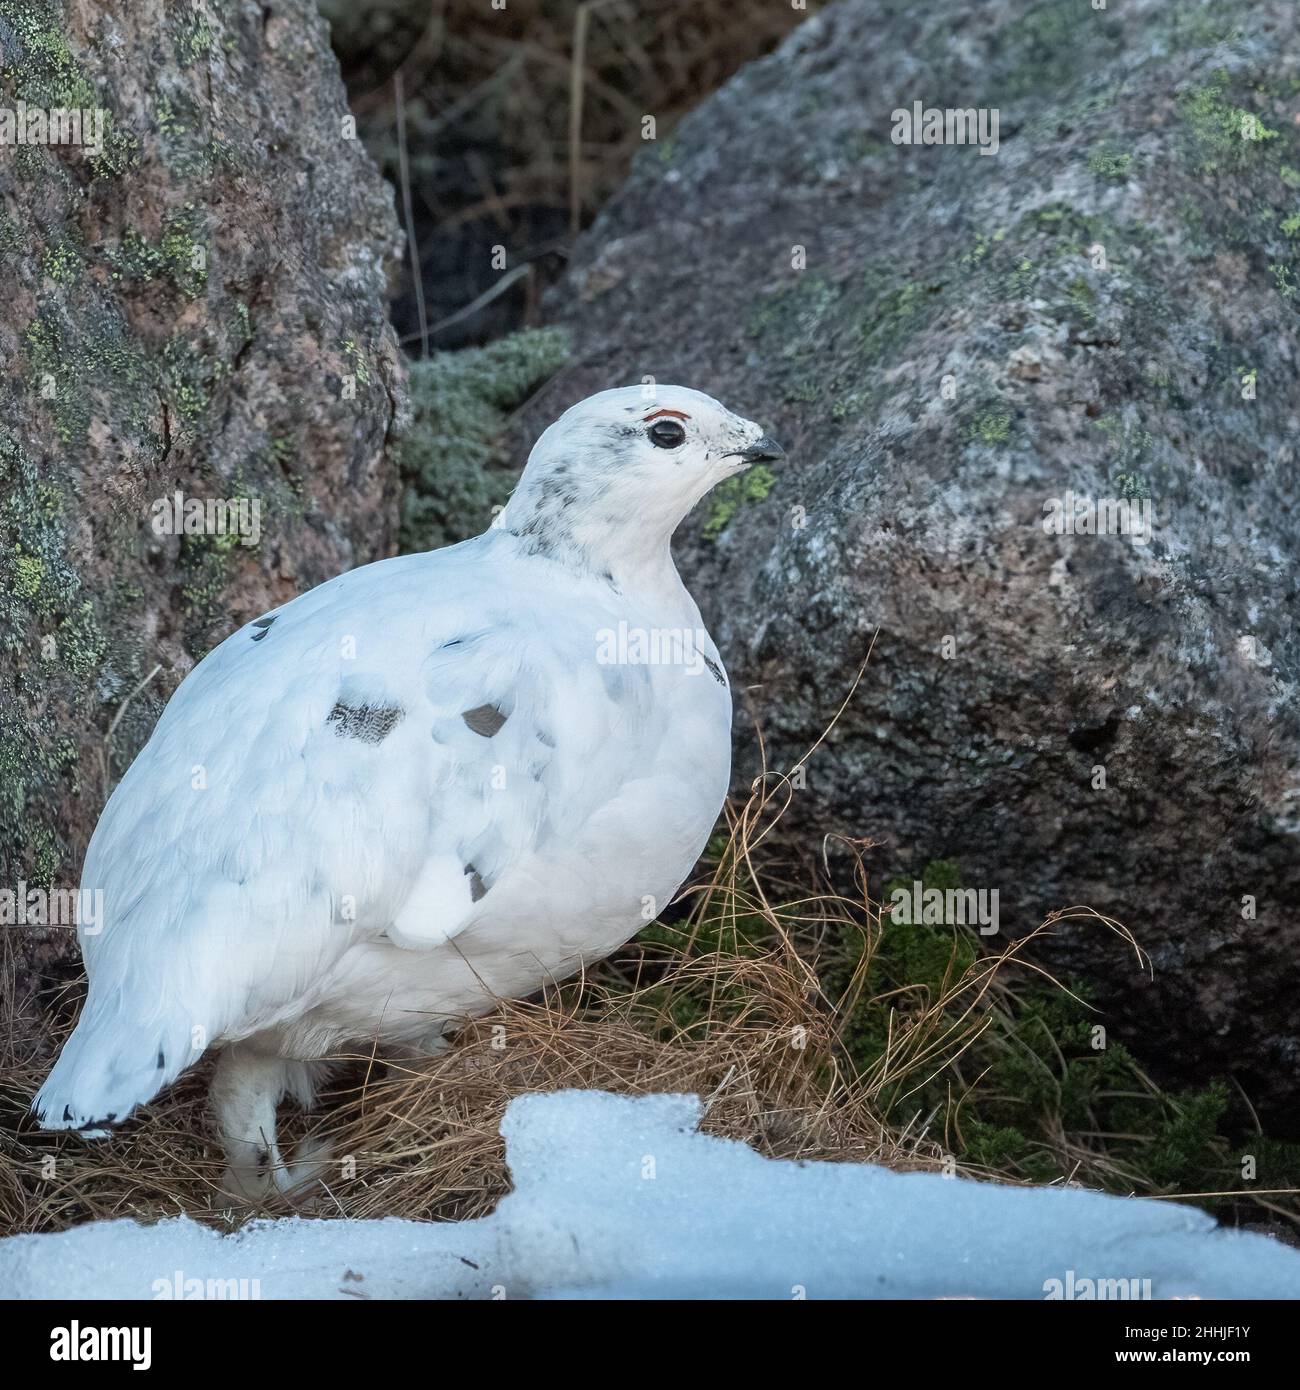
{"x":633,"y":553}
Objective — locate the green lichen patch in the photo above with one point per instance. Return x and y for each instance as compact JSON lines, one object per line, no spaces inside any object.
{"x":62,"y":260}
{"x":891,"y":312}
{"x":358,"y":360}
{"x":179,"y":256}
{"x":191,"y":150}
{"x":1110,"y":164}
{"x":991,"y":427}
{"x":189,"y":376}
{"x":794,"y":315}
{"x":729,"y":496}
{"x":1225,"y":136}
{"x":52,"y":636}
{"x":193,"y":37}
{"x":1049,"y":48}
{"x":40,"y":68}
{"x":80,"y":357}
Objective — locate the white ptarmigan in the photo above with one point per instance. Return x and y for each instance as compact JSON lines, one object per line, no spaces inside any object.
{"x":429,"y":783}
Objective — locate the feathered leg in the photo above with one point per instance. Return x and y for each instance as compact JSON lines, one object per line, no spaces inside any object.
{"x":248,"y":1084}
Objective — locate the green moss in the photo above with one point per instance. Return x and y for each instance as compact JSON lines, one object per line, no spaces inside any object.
{"x":905,"y":967}
{"x":1132,"y":486}
{"x":12,"y":236}
{"x":1130,"y":445}
{"x":1040,"y":1085}
{"x":448,"y":463}
{"x":121,"y":151}
{"x":728,"y":497}
{"x":82,"y":643}
{"x":38,"y":583}
{"x":1082,"y":299}
{"x":43,"y":343}
{"x":205,"y":563}
{"x":190,"y":378}
{"x":41,"y":70}
{"x":165,"y":118}
{"x":744,"y":934}
{"x":915,"y":955}
{"x":983,"y":245}
{"x":803,"y":392}
{"x":191,"y":150}
{"x":1023,"y":278}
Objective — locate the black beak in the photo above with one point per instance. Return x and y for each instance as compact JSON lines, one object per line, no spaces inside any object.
{"x":761,"y":450}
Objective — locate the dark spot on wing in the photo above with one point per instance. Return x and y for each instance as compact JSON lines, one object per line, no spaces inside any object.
{"x":265,"y":625}
{"x":368,"y":723}
{"x":67,"y":1112}
{"x":162,"y":1061}
{"x":716,"y":669}
{"x":484,"y":719}
{"x":477,"y":888}
{"x":107,"y":1122}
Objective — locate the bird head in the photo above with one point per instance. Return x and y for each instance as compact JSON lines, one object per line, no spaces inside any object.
{"x":621,"y":469}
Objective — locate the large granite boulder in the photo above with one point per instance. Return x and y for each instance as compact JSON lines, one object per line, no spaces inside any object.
{"x":194,"y":302}
{"x":957,"y":346}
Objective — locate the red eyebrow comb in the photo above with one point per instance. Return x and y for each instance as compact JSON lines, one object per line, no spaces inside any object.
{"x":654,"y":415}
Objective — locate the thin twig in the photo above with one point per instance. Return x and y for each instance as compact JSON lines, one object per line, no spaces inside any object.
{"x":105,"y":748}
{"x":417,"y":278}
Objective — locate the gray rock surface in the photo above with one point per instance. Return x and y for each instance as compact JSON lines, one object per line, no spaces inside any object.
{"x":1105,"y":293}
{"x":199,"y":305}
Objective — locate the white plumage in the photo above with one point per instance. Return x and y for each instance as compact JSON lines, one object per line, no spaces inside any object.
{"x":428,"y":783}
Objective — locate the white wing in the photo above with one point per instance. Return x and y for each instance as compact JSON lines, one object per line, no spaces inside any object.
{"x":367,"y":760}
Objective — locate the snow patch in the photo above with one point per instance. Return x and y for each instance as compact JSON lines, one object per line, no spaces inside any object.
{"x":622,"y":1196}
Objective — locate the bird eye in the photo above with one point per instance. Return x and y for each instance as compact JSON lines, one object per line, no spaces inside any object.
{"x":666,"y":434}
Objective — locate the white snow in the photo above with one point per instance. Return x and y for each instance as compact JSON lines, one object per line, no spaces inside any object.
{"x":621,"y":1196}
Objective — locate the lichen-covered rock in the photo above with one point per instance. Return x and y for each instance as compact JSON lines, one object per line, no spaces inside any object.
{"x":949,"y":342}
{"x":197,"y":306}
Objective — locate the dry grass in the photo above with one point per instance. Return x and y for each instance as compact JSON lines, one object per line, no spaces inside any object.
{"x":422,"y":1137}
{"x":728,"y":1003}
{"x":746,"y":994}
